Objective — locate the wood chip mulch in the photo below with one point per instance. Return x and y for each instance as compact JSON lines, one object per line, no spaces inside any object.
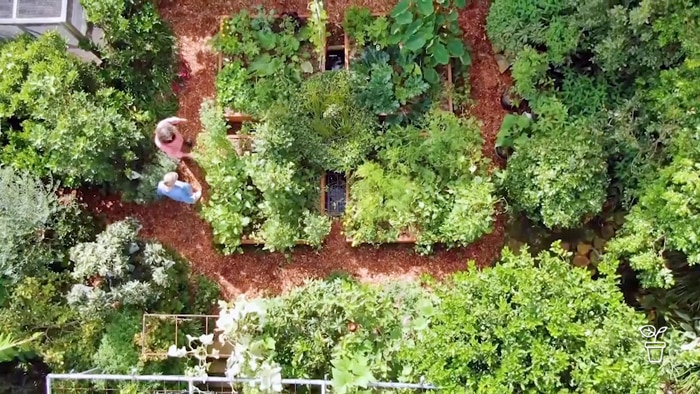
{"x":255,"y":272}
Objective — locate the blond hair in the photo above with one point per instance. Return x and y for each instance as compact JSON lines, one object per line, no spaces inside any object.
{"x":170,"y":178}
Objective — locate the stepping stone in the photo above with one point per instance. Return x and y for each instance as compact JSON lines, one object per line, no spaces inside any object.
{"x":503,"y":63}
{"x":580,"y":261}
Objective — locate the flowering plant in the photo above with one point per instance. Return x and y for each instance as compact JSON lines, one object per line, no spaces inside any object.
{"x":237,"y":333}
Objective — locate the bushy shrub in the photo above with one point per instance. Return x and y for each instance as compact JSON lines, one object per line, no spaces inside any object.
{"x":117,"y":352}
{"x":559,"y":174}
{"x":337,"y":327}
{"x":324,"y":325}
{"x":665,"y":220}
{"x":532,"y":325}
{"x":63,"y":120}
{"x":121,"y":269}
{"x":136,"y":43}
{"x":38,"y":304}
{"x":37,"y":226}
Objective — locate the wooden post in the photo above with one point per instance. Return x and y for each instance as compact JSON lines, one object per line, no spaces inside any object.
{"x":323,"y":192}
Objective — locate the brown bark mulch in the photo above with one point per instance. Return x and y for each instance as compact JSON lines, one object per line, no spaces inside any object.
{"x":255,"y":272}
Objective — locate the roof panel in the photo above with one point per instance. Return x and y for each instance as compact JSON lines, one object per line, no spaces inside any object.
{"x":6,"y":8}
{"x":39,"y":9}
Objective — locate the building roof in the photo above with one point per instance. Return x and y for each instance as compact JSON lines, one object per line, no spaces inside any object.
{"x":17,"y":12}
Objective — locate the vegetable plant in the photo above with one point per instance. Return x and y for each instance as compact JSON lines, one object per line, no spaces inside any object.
{"x":429,"y":186}
{"x":263,"y":59}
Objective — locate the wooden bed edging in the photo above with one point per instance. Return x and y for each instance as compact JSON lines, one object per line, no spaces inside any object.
{"x":248,"y":241}
{"x":403,"y":239}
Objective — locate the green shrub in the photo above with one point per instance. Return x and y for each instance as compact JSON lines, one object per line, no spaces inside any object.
{"x":558,"y":175}
{"x":38,"y":304}
{"x":63,"y":121}
{"x":121,"y":269}
{"x":325,"y":326}
{"x":118,"y":353}
{"x":532,"y":325}
{"x":138,"y":53}
{"x":665,"y":220}
{"x":37,"y":226}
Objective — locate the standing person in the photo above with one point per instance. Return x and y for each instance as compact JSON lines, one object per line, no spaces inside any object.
{"x":177,"y":190}
{"x":169,"y":140}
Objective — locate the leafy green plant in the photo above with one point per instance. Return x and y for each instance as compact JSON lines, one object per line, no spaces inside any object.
{"x":264,"y":59}
{"x":363,"y":28}
{"x":318,"y":34}
{"x":231,"y":204}
{"x":513,"y":130}
{"x":119,"y":270}
{"x":430,"y":28}
{"x":37,"y":225}
{"x":11,"y":347}
{"x":531,"y":324}
{"x":374,"y":81}
{"x":431,"y":186}
{"x":559,"y":174}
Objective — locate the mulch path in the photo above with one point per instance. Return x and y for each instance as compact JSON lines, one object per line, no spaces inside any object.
{"x":255,"y":272}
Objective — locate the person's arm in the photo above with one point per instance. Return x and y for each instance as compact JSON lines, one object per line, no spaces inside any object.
{"x":174,"y":120}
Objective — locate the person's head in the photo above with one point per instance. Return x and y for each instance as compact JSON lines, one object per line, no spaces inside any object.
{"x":165,"y":133}
{"x":170,"y":178}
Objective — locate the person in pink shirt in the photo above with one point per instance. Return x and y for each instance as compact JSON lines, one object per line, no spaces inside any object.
{"x":169,"y":140}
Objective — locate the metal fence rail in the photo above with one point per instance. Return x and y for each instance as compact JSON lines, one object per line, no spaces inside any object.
{"x":191,"y":385}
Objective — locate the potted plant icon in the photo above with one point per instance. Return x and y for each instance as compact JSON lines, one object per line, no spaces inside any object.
{"x":655,"y":348}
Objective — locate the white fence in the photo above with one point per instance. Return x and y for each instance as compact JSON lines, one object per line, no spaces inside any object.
{"x":162,"y":384}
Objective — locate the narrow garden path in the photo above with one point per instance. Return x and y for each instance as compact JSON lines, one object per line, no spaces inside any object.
{"x":179,"y":227}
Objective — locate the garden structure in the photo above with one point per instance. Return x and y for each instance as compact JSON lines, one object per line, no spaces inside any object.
{"x":332,"y":99}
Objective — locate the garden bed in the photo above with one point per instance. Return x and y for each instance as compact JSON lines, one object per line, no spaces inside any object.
{"x":335,"y":54}
{"x":355,"y":51}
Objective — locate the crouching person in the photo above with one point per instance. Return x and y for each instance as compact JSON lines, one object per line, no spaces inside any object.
{"x":177,"y":190}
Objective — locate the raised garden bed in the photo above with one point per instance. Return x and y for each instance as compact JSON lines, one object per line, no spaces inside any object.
{"x":262,"y":57}
{"x":334,"y":54}
{"x":358,"y":58}
{"x":326,"y":123}
{"x":427,"y":187}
